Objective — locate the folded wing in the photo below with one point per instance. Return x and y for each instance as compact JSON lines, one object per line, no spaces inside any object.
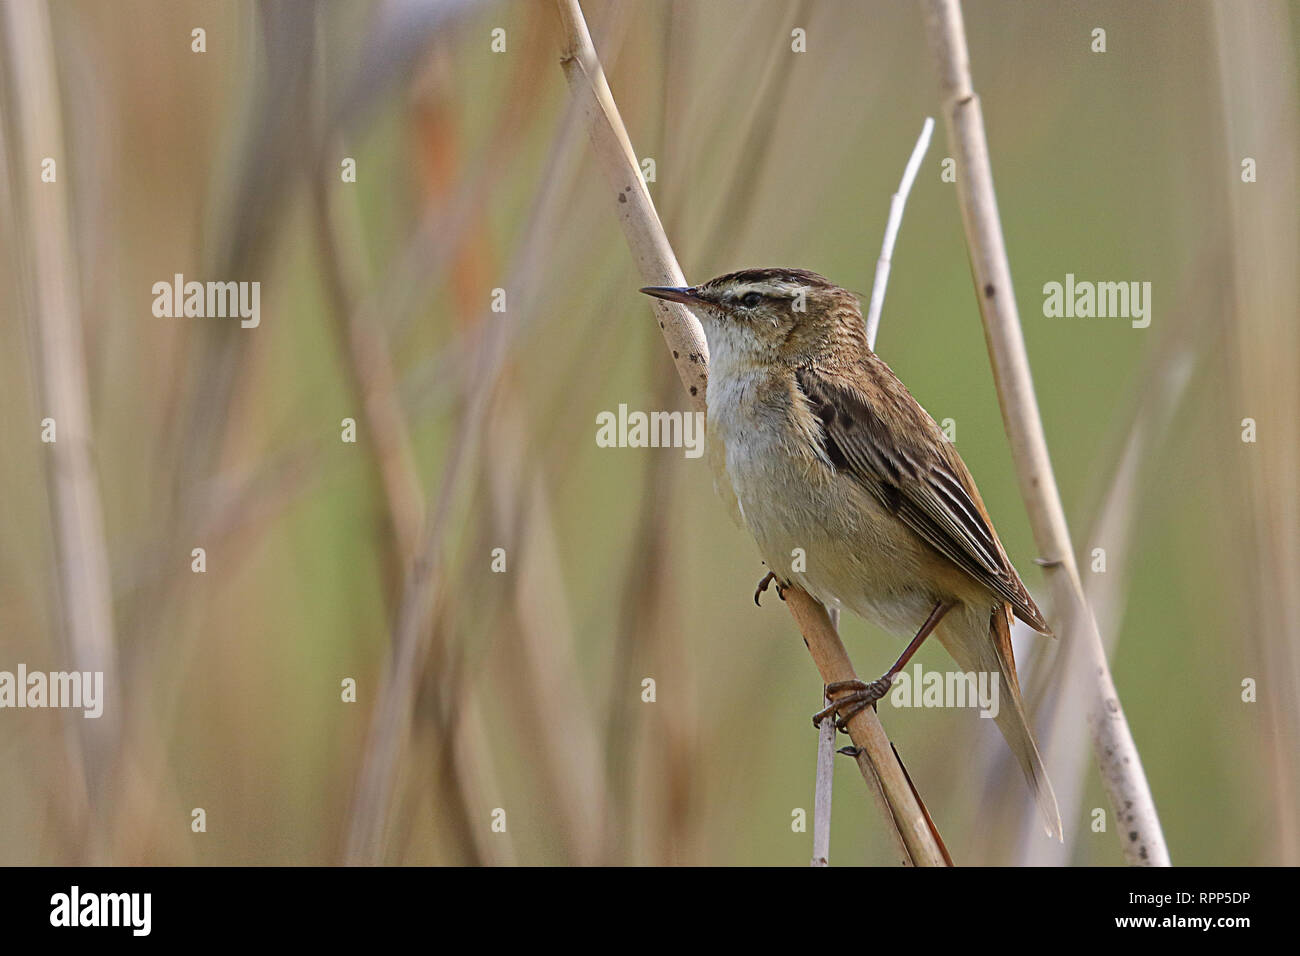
{"x":934,"y":495}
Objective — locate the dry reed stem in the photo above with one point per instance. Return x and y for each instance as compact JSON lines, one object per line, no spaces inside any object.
{"x":636,"y":210}
{"x":897,"y":204}
{"x":368,"y":358}
{"x":419,"y":605}
{"x":684,"y":336}
{"x":547,"y":660}
{"x":426,"y":585}
{"x":84,"y":591}
{"x":549,"y":668}
{"x":650,"y":636}
{"x":1063,"y":742}
{"x":1117,"y":756}
{"x":824,"y":785}
{"x":1257,"y":88}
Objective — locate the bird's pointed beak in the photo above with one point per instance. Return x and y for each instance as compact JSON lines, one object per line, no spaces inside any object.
{"x":683,"y":294}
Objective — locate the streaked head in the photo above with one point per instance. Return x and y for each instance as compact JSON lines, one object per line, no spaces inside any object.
{"x":775,"y":314}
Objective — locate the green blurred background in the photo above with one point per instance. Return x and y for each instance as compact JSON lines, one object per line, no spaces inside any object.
{"x":476,"y":429}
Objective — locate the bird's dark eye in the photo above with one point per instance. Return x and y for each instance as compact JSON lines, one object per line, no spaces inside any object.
{"x":751,"y":299}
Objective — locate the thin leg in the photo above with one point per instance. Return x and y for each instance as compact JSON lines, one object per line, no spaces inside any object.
{"x":931,"y":622}
{"x":862,"y":694}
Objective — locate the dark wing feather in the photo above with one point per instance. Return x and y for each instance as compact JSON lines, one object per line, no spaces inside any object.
{"x":933,"y":495}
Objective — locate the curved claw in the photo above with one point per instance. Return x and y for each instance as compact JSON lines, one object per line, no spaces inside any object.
{"x":762,"y":586}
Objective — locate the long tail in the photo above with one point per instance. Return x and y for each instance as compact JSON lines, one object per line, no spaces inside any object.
{"x":989,"y":651}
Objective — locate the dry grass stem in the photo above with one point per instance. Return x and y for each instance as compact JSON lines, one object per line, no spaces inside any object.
{"x":897,"y":203}
{"x":1257,"y":89}
{"x":1117,"y":756}
{"x":824,"y":788}
{"x":826,"y":738}
{"x":83,"y":579}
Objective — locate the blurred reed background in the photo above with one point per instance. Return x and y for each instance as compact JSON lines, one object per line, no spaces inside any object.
{"x":522,"y":691}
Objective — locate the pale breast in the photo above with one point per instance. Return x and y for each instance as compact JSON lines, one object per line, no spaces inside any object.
{"x":813,"y":526}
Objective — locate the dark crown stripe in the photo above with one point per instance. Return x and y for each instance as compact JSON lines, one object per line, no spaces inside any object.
{"x":770,"y":275}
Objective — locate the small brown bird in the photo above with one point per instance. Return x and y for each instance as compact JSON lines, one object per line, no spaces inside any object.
{"x":826,"y":451}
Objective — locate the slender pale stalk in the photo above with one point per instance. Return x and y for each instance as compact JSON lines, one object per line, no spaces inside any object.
{"x":824,"y":784}
{"x":1062,"y":740}
{"x":84,"y":592}
{"x":826,"y":739}
{"x":1117,"y":756}
{"x":1259,"y":108}
{"x":824,"y":791}
{"x":897,"y":202}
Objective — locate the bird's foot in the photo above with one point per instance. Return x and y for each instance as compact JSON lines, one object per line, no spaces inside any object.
{"x":762,"y":587}
{"x":860,"y":696}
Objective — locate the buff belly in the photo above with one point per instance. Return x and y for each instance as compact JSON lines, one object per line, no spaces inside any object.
{"x":831,"y":537}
